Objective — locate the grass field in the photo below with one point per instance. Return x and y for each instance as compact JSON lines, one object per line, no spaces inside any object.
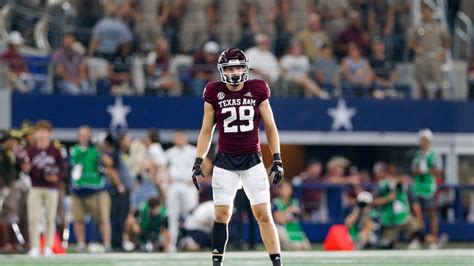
{"x":399,"y":257}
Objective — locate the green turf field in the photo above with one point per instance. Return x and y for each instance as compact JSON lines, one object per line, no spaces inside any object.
{"x":399,"y":257}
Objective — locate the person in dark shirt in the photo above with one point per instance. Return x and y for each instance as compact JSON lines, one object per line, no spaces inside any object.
{"x":46,"y":167}
{"x":383,"y":69}
{"x":120,"y":70}
{"x":203,"y":68}
{"x":18,"y":75}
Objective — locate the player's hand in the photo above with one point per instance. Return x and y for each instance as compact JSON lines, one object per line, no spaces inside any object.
{"x":197,"y":172}
{"x":277,"y":172}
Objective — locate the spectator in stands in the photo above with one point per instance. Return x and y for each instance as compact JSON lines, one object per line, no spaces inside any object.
{"x":263,"y":62}
{"x":148,"y":227}
{"x":46,"y":167}
{"x":381,"y":18}
{"x":287,"y":213}
{"x":359,"y":221}
{"x":88,"y":187}
{"x":385,"y":74}
{"x":228,"y":24}
{"x":196,"y":17}
{"x":430,"y":41}
{"x":152,"y":15}
{"x":313,"y":38}
{"x":203,"y":69}
{"x":122,"y":187}
{"x":198,"y":227}
{"x":108,"y":34}
{"x":325,"y":70}
{"x":335,"y":14}
{"x":160,"y":79}
{"x":293,"y":18}
{"x":426,"y":167}
{"x":402,"y":19}
{"x":262,"y":19}
{"x":295,"y":69}
{"x":357,"y":73}
{"x":296,"y":14}
{"x":120,"y":70}
{"x":70,"y":68}
{"x":311,"y":197}
{"x":353,"y":33}
{"x":18,"y":75}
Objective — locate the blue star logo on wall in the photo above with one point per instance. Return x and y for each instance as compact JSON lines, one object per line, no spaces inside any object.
{"x":119,"y":113}
{"x":341,"y":116}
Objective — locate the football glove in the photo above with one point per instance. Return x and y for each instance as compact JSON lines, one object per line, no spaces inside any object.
{"x":277,"y":169}
{"x":197,"y":171}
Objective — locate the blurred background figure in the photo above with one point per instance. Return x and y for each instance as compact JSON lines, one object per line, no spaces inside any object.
{"x":182,"y":196}
{"x":360,"y":224}
{"x":295,"y":69}
{"x":203,"y":69}
{"x":160,"y":79}
{"x":121,"y":172}
{"x":393,"y":198}
{"x":263,"y":61}
{"x":70,"y":68}
{"x":198,"y":227}
{"x":426,"y":167}
{"x":47,"y":168}
{"x":147,"y":228}
{"x":313,"y":38}
{"x":88,"y":187}
{"x":287,"y":212}
{"x":429,"y":40}
{"x":18,"y":75}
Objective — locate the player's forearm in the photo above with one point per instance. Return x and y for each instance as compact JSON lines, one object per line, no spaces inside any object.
{"x":204,"y":143}
{"x":273,"y":140}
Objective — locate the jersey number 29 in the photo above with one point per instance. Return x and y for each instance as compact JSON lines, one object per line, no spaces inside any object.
{"x":245,"y":113}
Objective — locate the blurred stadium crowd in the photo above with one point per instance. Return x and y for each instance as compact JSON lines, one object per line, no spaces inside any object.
{"x":302,"y":48}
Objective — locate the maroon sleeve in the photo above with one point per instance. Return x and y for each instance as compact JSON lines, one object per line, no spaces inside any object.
{"x":209,"y":93}
{"x":262,"y":90}
{"x":61,"y":163}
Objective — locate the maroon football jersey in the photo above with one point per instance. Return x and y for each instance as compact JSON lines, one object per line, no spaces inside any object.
{"x":237,"y":114}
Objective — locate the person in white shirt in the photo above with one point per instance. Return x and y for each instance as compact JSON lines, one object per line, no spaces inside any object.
{"x":181,"y":196}
{"x":295,"y":66}
{"x":198,"y":227}
{"x":263,"y":62}
{"x":156,"y":155}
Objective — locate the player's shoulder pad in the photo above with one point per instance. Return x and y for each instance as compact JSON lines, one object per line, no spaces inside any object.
{"x":259,"y":88}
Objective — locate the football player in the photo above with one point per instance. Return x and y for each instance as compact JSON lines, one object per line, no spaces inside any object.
{"x":236,"y":105}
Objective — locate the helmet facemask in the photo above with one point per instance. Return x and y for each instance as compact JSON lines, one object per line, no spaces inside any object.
{"x":234,"y":80}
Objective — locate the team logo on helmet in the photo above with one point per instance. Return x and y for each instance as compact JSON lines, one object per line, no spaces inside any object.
{"x":233,"y":57}
{"x":221,"y":95}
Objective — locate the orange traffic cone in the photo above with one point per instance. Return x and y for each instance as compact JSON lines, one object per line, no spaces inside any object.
{"x":57,"y":245}
{"x":338,"y":238}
